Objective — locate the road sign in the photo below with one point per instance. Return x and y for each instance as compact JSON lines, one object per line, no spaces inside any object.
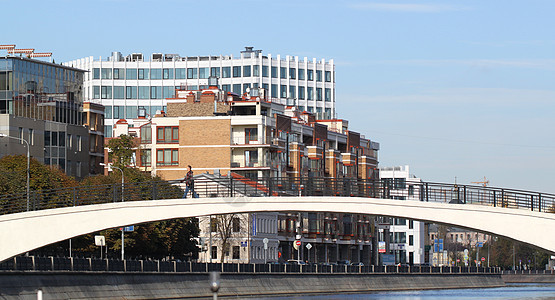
{"x":308,"y":246}
{"x":129,"y":228}
{"x":381,"y":247}
{"x":298,"y":243}
{"x":458,"y":260}
{"x":99,"y":240}
{"x":243,"y":244}
{"x":483,"y":258}
{"x":480,"y":244}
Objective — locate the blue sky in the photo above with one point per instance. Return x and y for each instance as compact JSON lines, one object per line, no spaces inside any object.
{"x":459,"y":89}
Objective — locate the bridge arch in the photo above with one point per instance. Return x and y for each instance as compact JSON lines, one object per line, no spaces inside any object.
{"x":22,"y":232}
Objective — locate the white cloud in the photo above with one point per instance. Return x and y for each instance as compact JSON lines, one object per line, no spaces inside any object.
{"x":408,"y":7}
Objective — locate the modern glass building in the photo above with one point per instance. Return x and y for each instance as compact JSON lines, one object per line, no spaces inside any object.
{"x":41,"y":103}
{"x":123,"y":84}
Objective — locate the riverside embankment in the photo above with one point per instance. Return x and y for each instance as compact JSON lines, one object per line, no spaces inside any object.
{"x":115,"y":285}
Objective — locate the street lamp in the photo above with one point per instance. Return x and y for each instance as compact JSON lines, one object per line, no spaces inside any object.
{"x":110,"y":167}
{"x":28,"y":161}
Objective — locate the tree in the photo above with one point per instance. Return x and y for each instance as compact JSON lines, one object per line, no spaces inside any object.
{"x":121,"y":149}
{"x":224,"y":227}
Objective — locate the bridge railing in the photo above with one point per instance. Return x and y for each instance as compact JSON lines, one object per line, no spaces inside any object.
{"x":237,"y":186}
{"x":36,"y":263}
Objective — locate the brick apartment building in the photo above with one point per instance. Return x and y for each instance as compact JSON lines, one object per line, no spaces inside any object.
{"x":251,"y":136}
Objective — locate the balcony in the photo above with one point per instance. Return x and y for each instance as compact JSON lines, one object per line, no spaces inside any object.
{"x":348,"y":159}
{"x":315,"y":152}
{"x":244,"y":141}
{"x":255,"y":164}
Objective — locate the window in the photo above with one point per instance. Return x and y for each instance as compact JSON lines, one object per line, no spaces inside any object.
{"x":131,"y":74}
{"x":226,"y":87}
{"x":143,"y":74}
{"x":214,"y":225}
{"x":301,"y":92}
{"x":20,"y":135}
{"x":144,"y":92}
{"x":236,"y":252}
{"x":411,"y":240}
{"x":327,"y":94}
{"x":192,"y":73}
{"x":411,"y":224}
{"x":251,"y":158}
{"x":96,"y":92}
{"x":301,"y":74}
{"x":168,"y":134}
{"x":256,"y":70}
{"x":292,"y":90}
{"x":146,"y":134}
{"x":131,"y":112}
{"x":119,"y":92}
{"x":318,"y":94}
{"x":155,"y":73}
{"x":214,"y":252}
{"x":283,"y":91}
{"x":328,"y":76}
{"x":246,"y":71}
{"x":105,"y":73}
{"x":310,"y":74}
{"x":203,"y":73}
{"x":169,"y":92}
{"x":106,"y":92}
{"x":411,"y":190}
{"x":236,"y":224}
{"x":119,"y":73}
{"x":96,"y":73}
{"x":251,"y":134}
{"x":62,"y":139}
{"x":237,"y":89}
{"x":155,"y":92}
{"x":283,"y":72}
{"x":79,"y":143}
{"x":167,"y":74}
{"x":181,"y":73}
{"x":146,"y":159}
{"x":318,"y":75}
{"x":31,"y":136}
{"x":78,"y":169}
{"x":264,"y":71}
{"x":167,"y":157}
{"x":236,"y":71}
{"x":274,"y":72}
{"x":131,"y":92}
{"x":215,"y":72}
{"x":274,"y":91}
{"x":226,"y":72}
{"x":292,"y":73}
{"x":119,"y":112}
{"x":108,"y":131}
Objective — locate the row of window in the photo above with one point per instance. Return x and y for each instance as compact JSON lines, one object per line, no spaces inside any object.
{"x":204,"y":73}
{"x":164,"y":92}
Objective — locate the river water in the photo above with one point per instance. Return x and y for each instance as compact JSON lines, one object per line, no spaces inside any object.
{"x":535,"y":291}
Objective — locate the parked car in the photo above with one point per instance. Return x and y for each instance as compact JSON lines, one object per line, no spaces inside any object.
{"x":344,"y":262}
{"x":296,"y":262}
{"x":357,"y":264}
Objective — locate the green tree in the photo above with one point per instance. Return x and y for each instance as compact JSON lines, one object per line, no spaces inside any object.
{"x":121,"y":149}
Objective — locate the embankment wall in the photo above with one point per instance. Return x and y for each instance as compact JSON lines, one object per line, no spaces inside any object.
{"x":103,"y":285}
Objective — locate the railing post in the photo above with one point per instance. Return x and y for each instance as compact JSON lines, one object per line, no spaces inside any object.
{"x":540,"y":202}
{"x":464,"y":193}
{"x":71,"y":263}
{"x":115,"y":196}
{"x":74,"y":196}
{"x":532,"y":202}
{"x":495,"y":200}
{"x":52,"y":263}
{"x":504,"y":204}
{"x":427,"y":192}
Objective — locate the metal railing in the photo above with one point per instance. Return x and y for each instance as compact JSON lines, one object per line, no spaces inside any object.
{"x":236,"y":186}
{"x":36,"y":263}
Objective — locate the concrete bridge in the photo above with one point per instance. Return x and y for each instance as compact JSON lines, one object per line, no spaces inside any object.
{"x":24,"y":231}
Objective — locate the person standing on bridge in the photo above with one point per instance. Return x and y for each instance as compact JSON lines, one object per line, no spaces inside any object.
{"x":189,"y":183}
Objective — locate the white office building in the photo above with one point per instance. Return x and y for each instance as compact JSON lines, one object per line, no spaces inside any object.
{"x":123,"y":84}
{"x":407,"y":237}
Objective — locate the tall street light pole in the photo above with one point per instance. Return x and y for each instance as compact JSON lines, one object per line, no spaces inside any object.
{"x":28,"y":161}
{"x":110,"y":167}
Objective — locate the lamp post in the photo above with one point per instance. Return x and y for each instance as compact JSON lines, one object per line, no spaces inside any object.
{"x":110,"y":167}
{"x":28,"y":161}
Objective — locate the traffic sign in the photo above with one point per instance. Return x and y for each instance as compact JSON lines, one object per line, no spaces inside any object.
{"x":265,"y":241}
{"x":298,"y":243}
{"x":308,"y":246}
{"x":480,"y":244}
{"x":381,"y":247}
{"x":483,"y":258}
{"x":129,"y":228}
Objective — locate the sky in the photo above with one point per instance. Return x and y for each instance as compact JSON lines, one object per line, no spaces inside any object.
{"x":457,"y":90}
